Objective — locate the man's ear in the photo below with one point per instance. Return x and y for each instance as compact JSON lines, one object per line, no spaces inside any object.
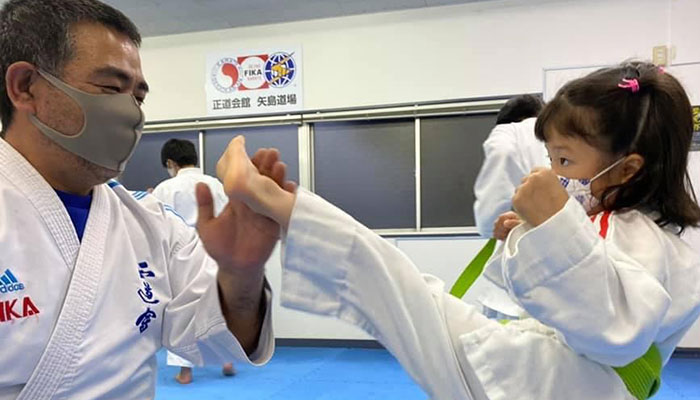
{"x":19,"y":79}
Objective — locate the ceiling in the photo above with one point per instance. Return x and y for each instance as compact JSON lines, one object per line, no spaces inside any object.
{"x":164,"y":17}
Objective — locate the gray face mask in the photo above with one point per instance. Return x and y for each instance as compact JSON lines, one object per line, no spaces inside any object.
{"x":112,"y":127}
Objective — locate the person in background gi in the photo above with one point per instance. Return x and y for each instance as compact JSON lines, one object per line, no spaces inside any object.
{"x":597,"y":262}
{"x":510,"y":152}
{"x":179,"y":157}
{"x":96,"y":279}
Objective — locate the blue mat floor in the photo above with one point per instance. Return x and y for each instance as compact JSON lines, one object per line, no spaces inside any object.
{"x":345,"y":374}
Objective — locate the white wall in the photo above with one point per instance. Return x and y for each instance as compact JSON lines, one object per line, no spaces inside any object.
{"x":471,"y":50}
{"x":481,"y":49}
{"x":684,"y":30}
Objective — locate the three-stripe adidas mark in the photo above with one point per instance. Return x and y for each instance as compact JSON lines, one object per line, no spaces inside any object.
{"x":9,"y":283}
{"x":10,"y":309}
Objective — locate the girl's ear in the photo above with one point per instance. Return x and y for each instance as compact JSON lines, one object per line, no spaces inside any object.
{"x":630,"y":166}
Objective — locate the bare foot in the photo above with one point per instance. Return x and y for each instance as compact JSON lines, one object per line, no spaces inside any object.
{"x":228,"y":370}
{"x":185,"y":376}
{"x":244,"y":182}
{"x":237,"y":172}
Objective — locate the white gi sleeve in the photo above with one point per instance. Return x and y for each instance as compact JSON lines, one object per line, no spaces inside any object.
{"x":605,"y":296}
{"x":160,"y":193}
{"x":220,"y":197}
{"x":334,"y":266}
{"x":500,"y":174}
{"x":194,"y":326}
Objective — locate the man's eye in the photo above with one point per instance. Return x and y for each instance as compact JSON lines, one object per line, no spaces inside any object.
{"x":111,"y":88}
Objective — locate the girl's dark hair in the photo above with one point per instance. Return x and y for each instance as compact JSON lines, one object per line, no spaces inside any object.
{"x":654,"y":121}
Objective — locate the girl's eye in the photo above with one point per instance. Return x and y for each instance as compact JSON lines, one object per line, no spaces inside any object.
{"x":563,"y":162}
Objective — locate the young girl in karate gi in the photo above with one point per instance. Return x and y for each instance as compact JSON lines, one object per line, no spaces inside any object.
{"x":607,"y":285}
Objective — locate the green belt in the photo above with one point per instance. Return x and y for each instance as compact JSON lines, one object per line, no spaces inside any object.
{"x":642,"y":377}
{"x":473,"y":270}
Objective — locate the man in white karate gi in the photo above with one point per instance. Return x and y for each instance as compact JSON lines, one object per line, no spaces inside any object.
{"x":94,"y":279}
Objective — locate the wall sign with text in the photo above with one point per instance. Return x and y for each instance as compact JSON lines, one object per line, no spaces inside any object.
{"x":254,"y":82}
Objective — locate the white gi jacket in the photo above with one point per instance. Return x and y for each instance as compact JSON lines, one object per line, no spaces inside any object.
{"x":595,"y":301}
{"x":84,"y":320}
{"x":179,"y":192}
{"x":510,"y":152}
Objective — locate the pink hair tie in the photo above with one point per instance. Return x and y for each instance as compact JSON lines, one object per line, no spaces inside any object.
{"x":662,"y":69}
{"x":631,"y":84}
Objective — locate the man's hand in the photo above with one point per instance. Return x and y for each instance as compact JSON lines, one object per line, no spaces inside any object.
{"x":239,"y":238}
{"x":539,"y":197}
{"x":241,"y":241}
